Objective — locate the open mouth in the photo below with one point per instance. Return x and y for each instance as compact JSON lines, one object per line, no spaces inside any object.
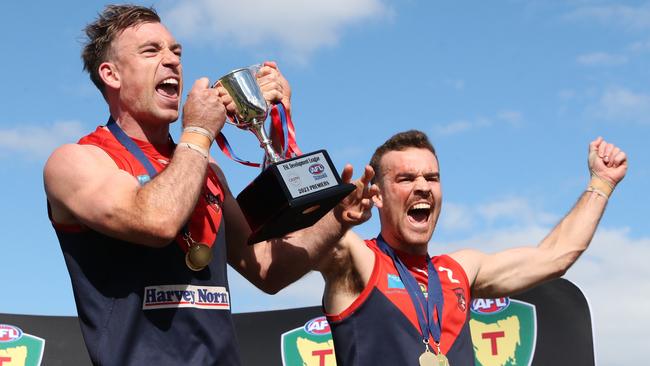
{"x":168,"y":88}
{"x":419,"y":213}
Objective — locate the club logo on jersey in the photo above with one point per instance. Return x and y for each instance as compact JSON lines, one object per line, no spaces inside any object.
{"x":460,"y":296}
{"x":186,"y":296}
{"x":143,"y":179}
{"x":395,"y":282}
{"x":19,"y":348}
{"x":309,"y":345}
{"x":504,"y":332}
{"x":490,"y":306}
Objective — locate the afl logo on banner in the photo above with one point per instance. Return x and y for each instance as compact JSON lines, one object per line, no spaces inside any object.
{"x":19,"y":348}
{"x":9,"y":333}
{"x":490,"y":306}
{"x":316,"y":169}
{"x":318,"y":326}
{"x":309,"y":345}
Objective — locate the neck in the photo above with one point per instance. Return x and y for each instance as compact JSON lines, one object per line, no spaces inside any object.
{"x":399,"y":244}
{"x":156,"y":134}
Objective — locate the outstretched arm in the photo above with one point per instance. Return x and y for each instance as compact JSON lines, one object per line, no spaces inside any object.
{"x":517,"y":269}
{"x":274,"y":264}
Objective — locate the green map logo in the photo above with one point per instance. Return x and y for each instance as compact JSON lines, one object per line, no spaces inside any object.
{"x":18,"y":348}
{"x":504,"y":332}
{"x":310,"y":345}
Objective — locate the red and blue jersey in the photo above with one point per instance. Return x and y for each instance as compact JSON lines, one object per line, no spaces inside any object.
{"x":139,"y":305}
{"x":381,"y":327}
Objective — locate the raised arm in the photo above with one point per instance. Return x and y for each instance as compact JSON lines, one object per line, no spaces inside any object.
{"x":274,"y":264}
{"x":514,"y":270}
{"x":84,"y":186}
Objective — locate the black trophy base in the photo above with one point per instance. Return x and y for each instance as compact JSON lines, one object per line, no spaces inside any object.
{"x":273,"y":211}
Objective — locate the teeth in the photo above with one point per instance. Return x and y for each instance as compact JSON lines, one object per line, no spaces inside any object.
{"x":424,"y":206}
{"x":170,"y":81}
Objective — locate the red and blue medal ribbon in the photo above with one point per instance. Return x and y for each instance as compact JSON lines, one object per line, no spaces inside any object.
{"x":424,"y":307}
{"x":282,"y":130}
{"x":224,"y":145}
{"x":131,"y":146}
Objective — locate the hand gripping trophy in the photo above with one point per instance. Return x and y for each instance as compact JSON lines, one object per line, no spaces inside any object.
{"x":290,"y":193}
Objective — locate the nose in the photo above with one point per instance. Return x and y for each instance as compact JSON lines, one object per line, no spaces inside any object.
{"x":421,"y":186}
{"x":171,"y":59}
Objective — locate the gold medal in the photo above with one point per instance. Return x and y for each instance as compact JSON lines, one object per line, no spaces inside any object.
{"x":198,"y":256}
{"x":442,"y":360}
{"x":428,"y":359}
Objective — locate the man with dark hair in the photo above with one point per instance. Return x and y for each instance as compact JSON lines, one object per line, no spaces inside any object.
{"x":389,"y":303}
{"x":146,"y":225}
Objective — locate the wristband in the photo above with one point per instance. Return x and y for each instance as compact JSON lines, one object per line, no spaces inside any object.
{"x":196,"y":138}
{"x":600,"y":186}
{"x":200,"y":131}
{"x":195,"y":147}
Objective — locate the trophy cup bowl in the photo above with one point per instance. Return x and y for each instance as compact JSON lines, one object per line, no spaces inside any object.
{"x":289,"y":194}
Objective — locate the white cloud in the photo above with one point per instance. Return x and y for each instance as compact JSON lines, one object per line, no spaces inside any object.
{"x":628,"y":17}
{"x":457,"y":84}
{"x":511,"y":117}
{"x":622,"y":105}
{"x":513,"y":209}
{"x":640,"y":46}
{"x":567,"y":94}
{"x":453,"y":128}
{"x":299,"y":27}
{"x":456,"y":217}
{"x":308,"y":291}
{"x":39,"y":141}
{"x":601,"y":59}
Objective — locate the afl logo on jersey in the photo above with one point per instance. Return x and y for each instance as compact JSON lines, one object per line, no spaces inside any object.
{"x":318,"y":326}
{"x":490,"y":306}
{"x":316,"y":169}
{"x":9,"y":333}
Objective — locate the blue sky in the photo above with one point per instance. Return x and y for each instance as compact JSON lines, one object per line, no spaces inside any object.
{"x":510,"y":92}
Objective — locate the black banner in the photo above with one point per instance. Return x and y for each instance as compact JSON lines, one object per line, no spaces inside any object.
{"x":548,"y":325}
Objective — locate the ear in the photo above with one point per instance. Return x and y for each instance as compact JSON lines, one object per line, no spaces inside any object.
{"x":377,"y":200}
{"x":109,"y":75}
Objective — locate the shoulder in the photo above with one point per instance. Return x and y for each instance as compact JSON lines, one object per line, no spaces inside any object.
{"x":469,"y":260}
{"x":69,"y":158}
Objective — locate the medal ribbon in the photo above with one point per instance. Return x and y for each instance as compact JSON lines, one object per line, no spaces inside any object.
{"x":224,"y":145}
{"x":131,"y":146}
{"x":282,"y":130}
{"x":424,"y":307}
{"x":135,"y":150}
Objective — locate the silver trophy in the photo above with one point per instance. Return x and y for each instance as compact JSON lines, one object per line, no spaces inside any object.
{"x":289,"y":194}
{"x":251,"y":107}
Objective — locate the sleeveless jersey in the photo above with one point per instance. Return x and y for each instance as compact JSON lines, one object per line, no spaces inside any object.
{"x":381,"y":327}
{"x":139,"y":305}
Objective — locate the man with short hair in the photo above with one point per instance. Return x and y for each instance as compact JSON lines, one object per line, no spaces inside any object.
{"x":389,"y":303}
{"x":146,"y":225}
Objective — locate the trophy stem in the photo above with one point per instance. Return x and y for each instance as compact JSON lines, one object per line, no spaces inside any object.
{"x":265,"y":142}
